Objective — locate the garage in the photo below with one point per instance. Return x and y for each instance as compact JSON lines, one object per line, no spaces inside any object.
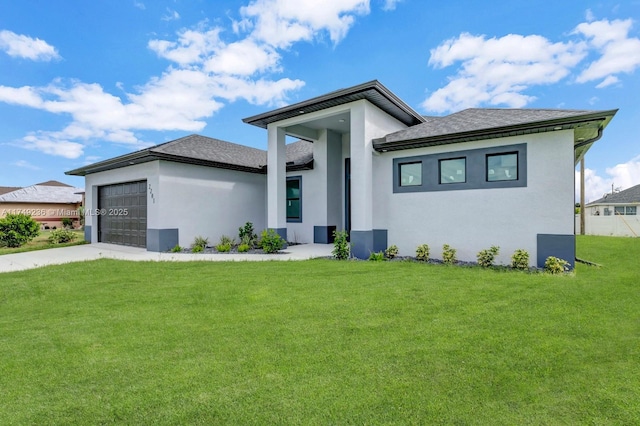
{"x":122,"y":214}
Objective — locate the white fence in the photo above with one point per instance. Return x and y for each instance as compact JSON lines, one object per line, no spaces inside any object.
{"x":617,"y":226}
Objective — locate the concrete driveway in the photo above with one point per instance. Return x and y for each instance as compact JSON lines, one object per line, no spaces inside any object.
{"x":56,"y":256}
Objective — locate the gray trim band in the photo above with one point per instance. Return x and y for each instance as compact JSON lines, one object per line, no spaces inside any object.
{"x":323,"y":234}
{"x":160,"y":240}
{"x":87,"y":233}
{"x":560,"y":246}
{"x":476,"y":170}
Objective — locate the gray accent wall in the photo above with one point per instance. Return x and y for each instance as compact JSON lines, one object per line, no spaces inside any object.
{"x":323,"y":234}
{"x":476,"y":170}
{"x":87,"y":233}
{"x":380,"y":240}
{"x":161,"y":240}
{"x":363,"y":243}
{"x":283,"y":234}
{"x":561,"y":246}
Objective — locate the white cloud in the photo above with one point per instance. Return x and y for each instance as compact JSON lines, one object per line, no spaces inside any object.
{"x":43,"y":143}
{"x":171,"y":15}
{"x":496,"y":71}
{"x":390,"y":4}
{"x":25,"y":165}
{"x":621,"y":176}
{"x":139,"y":5}
{"x":23,"y":46}
{"x":499,"y":71}
{"x":619,"y":52}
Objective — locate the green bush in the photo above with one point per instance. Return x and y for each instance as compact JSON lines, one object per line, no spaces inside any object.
{"x":224,"y":240}
{"x":67,"y":222}
{"x":449,"y":255}
{"x":176,"y":249}
{"x":376,"y":257}
{"x":520,"y":260}
{"x":200,"y":242}
{"x":270,"y":241}
{"x":341,"y":246}
{"x":223,"y":248}
{"x":246,"y":234}
{"x":60,"y":236}
{"x":391,"y":251}
{"x":554,"y":265}
{"x":422,"y":252}
{"x":197,"y":249}
{"x":243,"y":248}
{"x":487,"y":257}
{"x":18,"y":229}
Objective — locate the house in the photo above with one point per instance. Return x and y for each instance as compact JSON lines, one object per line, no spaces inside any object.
{"x":367,"y":163}
{"x":614,"y":214}
{"x":47,"y":202}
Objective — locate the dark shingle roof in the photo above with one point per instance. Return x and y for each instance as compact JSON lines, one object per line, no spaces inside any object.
{"x":628,"y":196}
{"x":5,"y":189}
{"x":52,"y":183}
{"x":479,"y":123}
{"x":205,"y":151}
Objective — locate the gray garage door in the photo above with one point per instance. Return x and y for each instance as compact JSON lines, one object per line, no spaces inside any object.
{"x":123,"y":214}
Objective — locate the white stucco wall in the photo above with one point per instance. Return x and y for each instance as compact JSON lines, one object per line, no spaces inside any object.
{"x":475,"y":219}
{"x":145,"y":171}
{"x":209,"y":202}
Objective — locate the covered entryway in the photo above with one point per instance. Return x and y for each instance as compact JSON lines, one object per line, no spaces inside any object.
{"x":122,"y":214}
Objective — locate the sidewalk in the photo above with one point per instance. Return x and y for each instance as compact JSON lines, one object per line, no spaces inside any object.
{"x":56,"y":256}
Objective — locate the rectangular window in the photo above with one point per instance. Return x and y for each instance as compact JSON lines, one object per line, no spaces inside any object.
{"x":618,"y":210}
{"x":294,"y":199}
{"x":607,"y":212}
{"x":502,"y":167}
{"x":453,"y":171}
{"x":631,"y":210}
{"x":411,"y":174}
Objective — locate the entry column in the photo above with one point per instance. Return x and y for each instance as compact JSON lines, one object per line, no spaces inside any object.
{"x":276,"y":181}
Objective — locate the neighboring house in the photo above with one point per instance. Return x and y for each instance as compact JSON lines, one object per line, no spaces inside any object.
{"x":614,"y":214}
{"x":47,"y":202}
{"x":372,"y":166}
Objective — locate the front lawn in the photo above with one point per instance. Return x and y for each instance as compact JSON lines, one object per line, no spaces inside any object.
{"x":41,"y":242}
{"x":322,"y":342}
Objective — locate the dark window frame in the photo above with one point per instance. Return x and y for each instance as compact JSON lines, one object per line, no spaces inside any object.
{"x":408,"y":164}
{"x":498,"y":155}
{"x":440,"y":170}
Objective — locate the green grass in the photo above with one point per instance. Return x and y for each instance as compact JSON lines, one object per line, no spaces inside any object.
{"x":41,"y":243}
{"x":322,"y":342}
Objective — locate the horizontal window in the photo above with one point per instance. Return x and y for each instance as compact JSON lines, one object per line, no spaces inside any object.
{"x":483,"y":168}
{"x":502,"y":167}
{"x":625,"y":210}
{"x":453,"y":171}
{"x":411,"y":174}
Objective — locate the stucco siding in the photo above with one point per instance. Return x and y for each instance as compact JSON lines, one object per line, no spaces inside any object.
{"x":470,"y":220}
{"x":209,"y":202}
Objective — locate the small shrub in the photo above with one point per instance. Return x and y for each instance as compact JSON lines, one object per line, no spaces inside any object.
{"x":199,"y":242}
{"x":391,"y":251}
{"x":341,"y":246}
{"x":520,"y":260}
{"x":224,"y":240}
{"x":422,"y":252}
{"x":554,"y":265}
{"x":243,"y":248}
{"x":176,"y":249}
{"x":376,"y":257}
{"x":18,"y":229}
{"x":223,"y":248}
{"x":197,"y":249}
{"x":67,"y":222}
{"x":60,"y":236}
{"x":270,"y":241}
{"x":247,"y":235}
{"x":448,"y":255}
{"x":487,"y":257}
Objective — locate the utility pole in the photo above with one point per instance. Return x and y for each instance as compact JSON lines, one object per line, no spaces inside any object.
{"x":582,"y":196}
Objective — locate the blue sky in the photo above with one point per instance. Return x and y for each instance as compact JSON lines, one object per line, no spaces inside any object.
{"x":82,"y":81}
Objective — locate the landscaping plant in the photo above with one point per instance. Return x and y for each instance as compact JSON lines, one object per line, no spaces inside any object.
{"x":60,"y":236}
{"x":199,"y":244}
{"x":376,"y":256}
{"x":391,"y":251}
{"x":17,"y":229}
{"x":271,"y":241}
{"x":341,"y":246}
{"x":554,"y":265}
{"x":520,"y":260}
{"x":487,"y":257}
{"x":448,"y":255}
{"x":247,"y":235}
{"x":422,"y":252}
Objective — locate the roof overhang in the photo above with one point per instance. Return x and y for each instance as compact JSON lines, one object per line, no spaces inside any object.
{"x":372,"y":91}
{"x":587,"y":129}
